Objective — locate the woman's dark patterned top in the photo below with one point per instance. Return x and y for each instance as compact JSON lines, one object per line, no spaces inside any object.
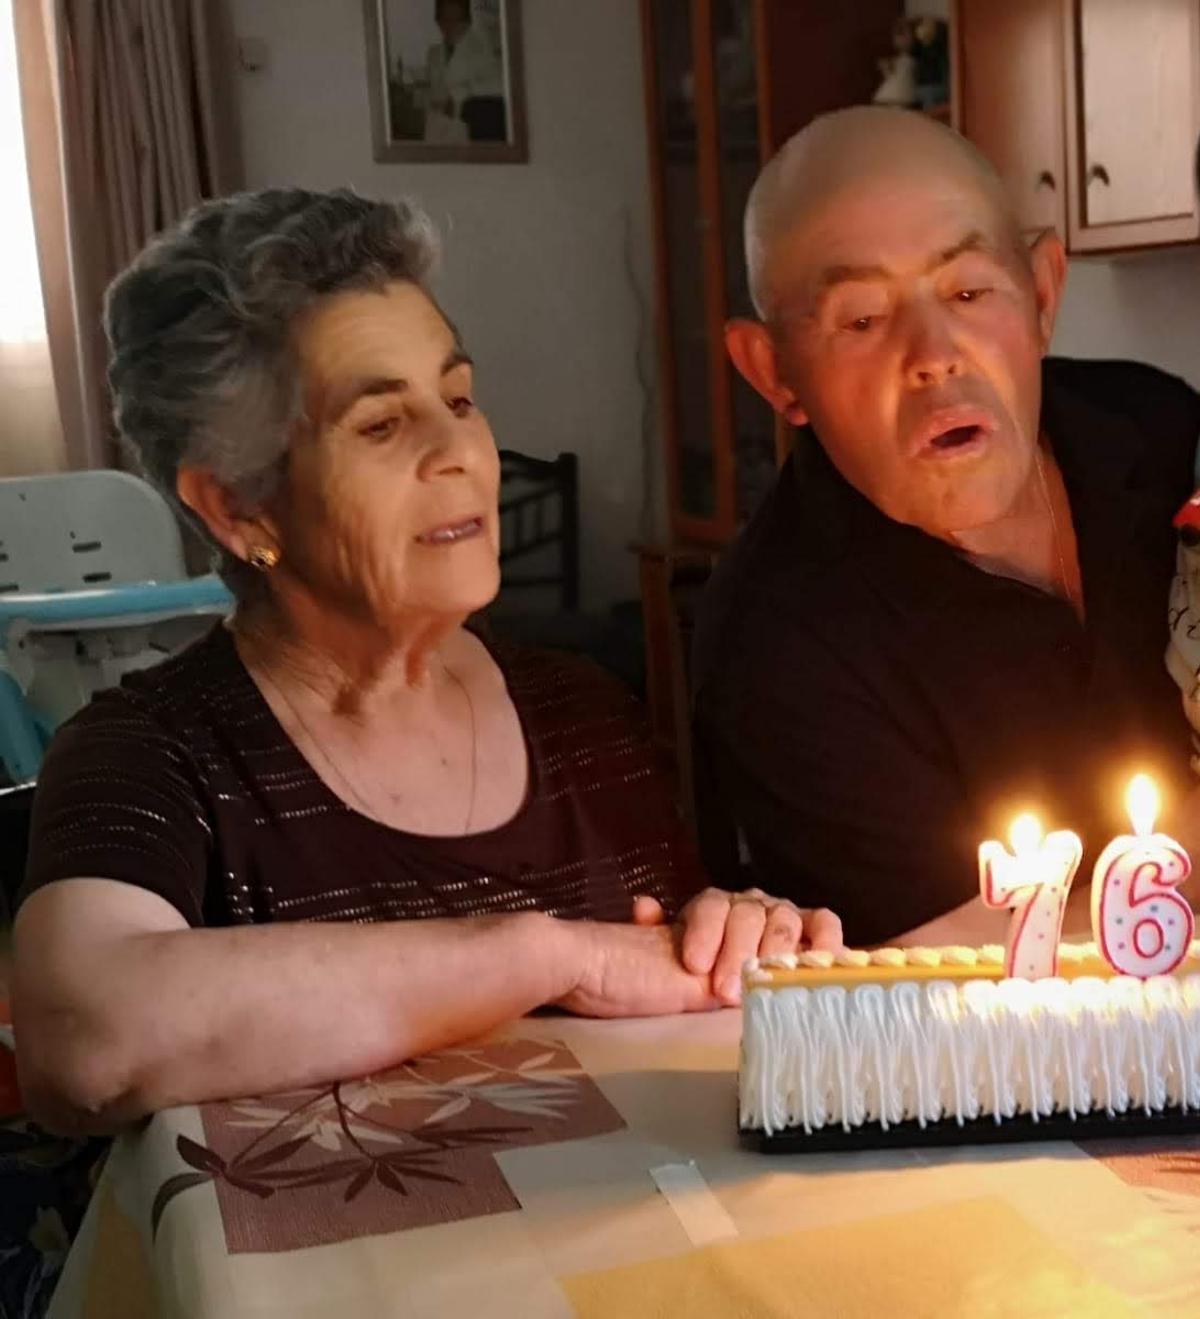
{"x":183,"y":782}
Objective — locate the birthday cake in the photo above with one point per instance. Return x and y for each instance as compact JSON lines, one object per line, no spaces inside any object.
{"x":938,"y":1046}
{"x":1034,"y":1039}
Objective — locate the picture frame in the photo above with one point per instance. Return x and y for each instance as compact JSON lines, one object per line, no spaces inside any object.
{"x":446,"y":81}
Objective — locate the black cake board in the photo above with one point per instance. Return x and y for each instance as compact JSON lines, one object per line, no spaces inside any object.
{"x":973,"y":1131}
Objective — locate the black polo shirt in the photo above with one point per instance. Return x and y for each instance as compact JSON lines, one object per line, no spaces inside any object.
{"x":869,"y":705}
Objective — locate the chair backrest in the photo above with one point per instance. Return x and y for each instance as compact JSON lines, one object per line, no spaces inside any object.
{"x":73,"y":530}
{"x":673,"y":580}
{"x":539,"y":508}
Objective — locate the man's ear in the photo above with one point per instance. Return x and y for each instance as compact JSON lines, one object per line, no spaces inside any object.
{"x":752,"y":351}
{"x":227,"y":522}
{"x":1048,"y":263}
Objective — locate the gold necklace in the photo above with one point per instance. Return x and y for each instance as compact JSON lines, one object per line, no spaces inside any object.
{"x":362,"y":804}
{"x":1064,"y":581}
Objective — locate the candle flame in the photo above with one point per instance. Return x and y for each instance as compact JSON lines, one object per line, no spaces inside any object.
{"x":1025,"y":835}
{"x":1142,"y":802}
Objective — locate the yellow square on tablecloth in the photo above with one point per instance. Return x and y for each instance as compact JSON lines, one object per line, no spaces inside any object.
{"x":978,"y":1259}
{"x":119,"y":1284}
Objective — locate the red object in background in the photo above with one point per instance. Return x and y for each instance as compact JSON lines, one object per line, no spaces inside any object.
{"x":10,"y":1098}
{"x":1189,"y":514}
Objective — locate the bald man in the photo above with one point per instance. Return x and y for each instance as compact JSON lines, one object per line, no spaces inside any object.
{"x":952,"y":605}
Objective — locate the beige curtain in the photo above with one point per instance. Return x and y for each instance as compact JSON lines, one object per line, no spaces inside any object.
{"x":126,"y":124}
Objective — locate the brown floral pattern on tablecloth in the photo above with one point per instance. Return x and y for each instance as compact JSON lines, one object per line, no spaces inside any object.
{"x":1171,"y":1164}
{"x":407,"y":1148}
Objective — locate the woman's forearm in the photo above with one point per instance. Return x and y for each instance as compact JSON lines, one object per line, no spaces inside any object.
{"x":147,"y":1019}
{"x":973,"y":924}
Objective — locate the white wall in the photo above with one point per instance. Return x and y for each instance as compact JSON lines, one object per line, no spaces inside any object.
{"x":536,"y":254}
{"x":1144,"y":306}
{"x":31,"y":434}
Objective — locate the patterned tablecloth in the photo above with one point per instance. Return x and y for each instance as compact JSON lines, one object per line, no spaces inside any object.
{"x":593,"y":1168}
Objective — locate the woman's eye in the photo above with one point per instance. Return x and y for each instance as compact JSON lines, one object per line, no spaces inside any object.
{"x":379,"y":430}
{"x":861,"y":324}
{"x":461,"y":406}
{"x":970,"y":295}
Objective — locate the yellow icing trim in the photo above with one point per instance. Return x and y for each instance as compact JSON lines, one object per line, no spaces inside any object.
{"x":1069,"y":968}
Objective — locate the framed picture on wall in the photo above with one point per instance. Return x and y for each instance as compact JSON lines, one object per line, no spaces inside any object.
{"x":446,"y":80}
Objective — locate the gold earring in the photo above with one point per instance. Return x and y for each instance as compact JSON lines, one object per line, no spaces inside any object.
{"x":263,"y":557}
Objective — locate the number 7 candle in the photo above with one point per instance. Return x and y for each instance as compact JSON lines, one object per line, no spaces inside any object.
{"x":1141,"y":925}
{"x":1034,"y":880}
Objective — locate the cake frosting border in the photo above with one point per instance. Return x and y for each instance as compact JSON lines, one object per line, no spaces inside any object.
{"x":822,"y":1099}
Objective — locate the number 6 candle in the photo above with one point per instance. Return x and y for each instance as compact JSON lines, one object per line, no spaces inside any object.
{"x":1142,"y":926}
{"x":1033,"y":880}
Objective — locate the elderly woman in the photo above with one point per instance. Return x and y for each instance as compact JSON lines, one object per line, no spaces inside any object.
{"x":231,"y":852}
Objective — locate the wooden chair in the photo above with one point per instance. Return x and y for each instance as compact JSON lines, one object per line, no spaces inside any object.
{"x":539,"y":509}
{"x":673,"y":581}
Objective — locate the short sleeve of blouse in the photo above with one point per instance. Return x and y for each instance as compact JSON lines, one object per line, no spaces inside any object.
{"x":117,"y":798}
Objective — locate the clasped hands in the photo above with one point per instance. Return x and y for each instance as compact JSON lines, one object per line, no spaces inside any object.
{"x":694,"y":964}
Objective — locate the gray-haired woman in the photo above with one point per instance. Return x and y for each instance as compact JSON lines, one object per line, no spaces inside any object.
{"x":228,"y":852}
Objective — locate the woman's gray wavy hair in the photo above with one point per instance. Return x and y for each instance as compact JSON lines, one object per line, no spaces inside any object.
{"x":203,"y":369}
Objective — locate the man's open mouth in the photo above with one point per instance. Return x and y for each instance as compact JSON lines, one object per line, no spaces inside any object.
{"x":952,"y":430}
{"x":956,"y":437}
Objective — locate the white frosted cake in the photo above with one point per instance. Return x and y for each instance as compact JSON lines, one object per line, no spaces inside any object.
{"x":929,"y":1045}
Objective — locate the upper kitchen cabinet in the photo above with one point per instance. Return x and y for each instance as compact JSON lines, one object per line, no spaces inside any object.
{"x":1010,"y":100}
{"x":1090,"y":110}
{"x":1135,"y":80}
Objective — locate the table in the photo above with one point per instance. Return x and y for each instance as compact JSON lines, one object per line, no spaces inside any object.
{"x":521,"y":1176}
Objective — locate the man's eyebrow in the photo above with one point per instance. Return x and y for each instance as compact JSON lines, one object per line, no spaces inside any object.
{"x":457,"y":356}
{"x":373,"y":386}
{"x":832,"y":275}
{"x":975,"y":241}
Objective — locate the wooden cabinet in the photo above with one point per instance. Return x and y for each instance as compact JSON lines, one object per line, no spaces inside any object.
{"x":1090,"y":110}
{"x":1010,"y":102}
{"x":727,"y":81}
{"x":1135,"y":80}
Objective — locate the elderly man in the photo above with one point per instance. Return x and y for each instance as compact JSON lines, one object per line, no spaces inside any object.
{"x":952,"y":605}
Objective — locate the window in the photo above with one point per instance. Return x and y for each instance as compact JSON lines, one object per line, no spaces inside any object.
{"x":22,"y":317}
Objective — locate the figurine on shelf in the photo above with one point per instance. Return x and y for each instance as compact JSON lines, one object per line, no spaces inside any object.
{"x":917,"y":73}
{"x":931,"y":48}
{"x":899,"y":70}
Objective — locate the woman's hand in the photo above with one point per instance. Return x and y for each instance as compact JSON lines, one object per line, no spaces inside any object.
{"x":631,"y":971}
{"x":720,"y":930}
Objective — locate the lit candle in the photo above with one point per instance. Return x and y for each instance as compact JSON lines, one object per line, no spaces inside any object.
{"x":1141,"y":925}
{"x":1033,"y":880}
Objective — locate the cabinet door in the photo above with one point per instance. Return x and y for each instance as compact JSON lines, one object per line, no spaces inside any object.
{"x":1134,"y":141}
{"x":742,"y":145}
{"x":1011,"y":87}
{"x":685,"y":177}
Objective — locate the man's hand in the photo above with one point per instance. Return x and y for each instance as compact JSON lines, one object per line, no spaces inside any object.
{"x":631,"y":971}
{"x":719,"y":931}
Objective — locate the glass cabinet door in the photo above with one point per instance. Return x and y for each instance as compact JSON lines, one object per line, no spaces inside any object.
{"x":740,"y":152}
{"x":690,"y":409}
{"x":705,"y":153}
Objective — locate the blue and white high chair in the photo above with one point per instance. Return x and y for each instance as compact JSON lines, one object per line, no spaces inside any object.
{"x":92,"y":585}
